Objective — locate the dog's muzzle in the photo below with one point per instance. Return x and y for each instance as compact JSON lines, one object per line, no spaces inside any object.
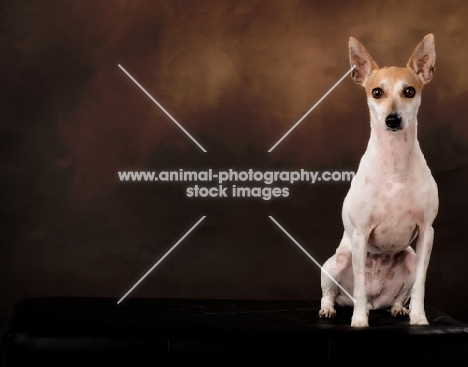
{"x":393,"y":122}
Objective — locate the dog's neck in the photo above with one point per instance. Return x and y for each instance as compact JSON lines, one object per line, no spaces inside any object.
{"x":394,"y":151}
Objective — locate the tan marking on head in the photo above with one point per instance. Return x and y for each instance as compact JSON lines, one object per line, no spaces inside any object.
{"x":388,"y":76}
{"x":393,"y":81}
{"x":420,"y":64}
{"x":388,"y":206}
{"x":388,"y":186}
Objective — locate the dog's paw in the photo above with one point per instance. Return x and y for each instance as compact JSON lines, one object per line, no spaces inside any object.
{"x":327,"y":313}
{"x":360,"y":316}
{"x":359,"y":322}
{"x":418,"y":320}
{"x":399,"y":311}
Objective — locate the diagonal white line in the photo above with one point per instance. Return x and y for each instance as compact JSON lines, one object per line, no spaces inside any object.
{"x":310,"y":257}
{"x":161,"y":259}
{"x":313,"y":107}
{"x":161,"y":107}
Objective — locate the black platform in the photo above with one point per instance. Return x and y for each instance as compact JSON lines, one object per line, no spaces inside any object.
{"x":98,"y":331}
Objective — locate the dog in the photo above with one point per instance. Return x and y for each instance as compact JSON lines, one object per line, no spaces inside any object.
{"x":392,"y":201}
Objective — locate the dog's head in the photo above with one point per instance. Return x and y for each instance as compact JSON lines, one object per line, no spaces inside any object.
{"x":393,"y":93}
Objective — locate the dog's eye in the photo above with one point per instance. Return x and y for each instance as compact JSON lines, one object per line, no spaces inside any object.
{"x":377,"y":92}
{"x":409,"y":92}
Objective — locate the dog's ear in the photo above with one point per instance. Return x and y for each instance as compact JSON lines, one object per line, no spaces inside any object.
{"x":422,"y":61}
{"x":360,"y":58}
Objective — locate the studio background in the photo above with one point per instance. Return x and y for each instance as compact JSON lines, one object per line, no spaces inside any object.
{"x":237,"y":75}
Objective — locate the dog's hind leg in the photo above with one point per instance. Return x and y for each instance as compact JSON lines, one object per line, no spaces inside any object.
{"x":398,"y":308}
{"x":404,"y":264}
{"x":329,"y":289}
{"x":336,"y":267}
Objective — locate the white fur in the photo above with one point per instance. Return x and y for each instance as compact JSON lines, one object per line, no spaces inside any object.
{"x":392,"y":201}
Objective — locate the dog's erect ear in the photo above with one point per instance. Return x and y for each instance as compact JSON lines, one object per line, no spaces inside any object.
{"x":360,"y":58}
{"x":422,"y":61}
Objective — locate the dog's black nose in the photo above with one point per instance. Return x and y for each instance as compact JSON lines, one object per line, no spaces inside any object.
{"x":393,"y":121}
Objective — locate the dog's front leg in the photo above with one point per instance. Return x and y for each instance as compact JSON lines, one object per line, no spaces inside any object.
{"x":423,"y":254}
{"x":359,"y":251}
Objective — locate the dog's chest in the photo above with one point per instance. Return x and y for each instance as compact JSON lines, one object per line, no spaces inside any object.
{"x":391,"y":204}
{"x":394,"y":217}
{"x":395,"y":201}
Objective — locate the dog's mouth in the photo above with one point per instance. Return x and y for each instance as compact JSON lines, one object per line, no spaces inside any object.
{"x":394,"y":128}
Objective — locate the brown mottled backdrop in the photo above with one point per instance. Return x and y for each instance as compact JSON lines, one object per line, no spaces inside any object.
{"x":237,"y":74}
